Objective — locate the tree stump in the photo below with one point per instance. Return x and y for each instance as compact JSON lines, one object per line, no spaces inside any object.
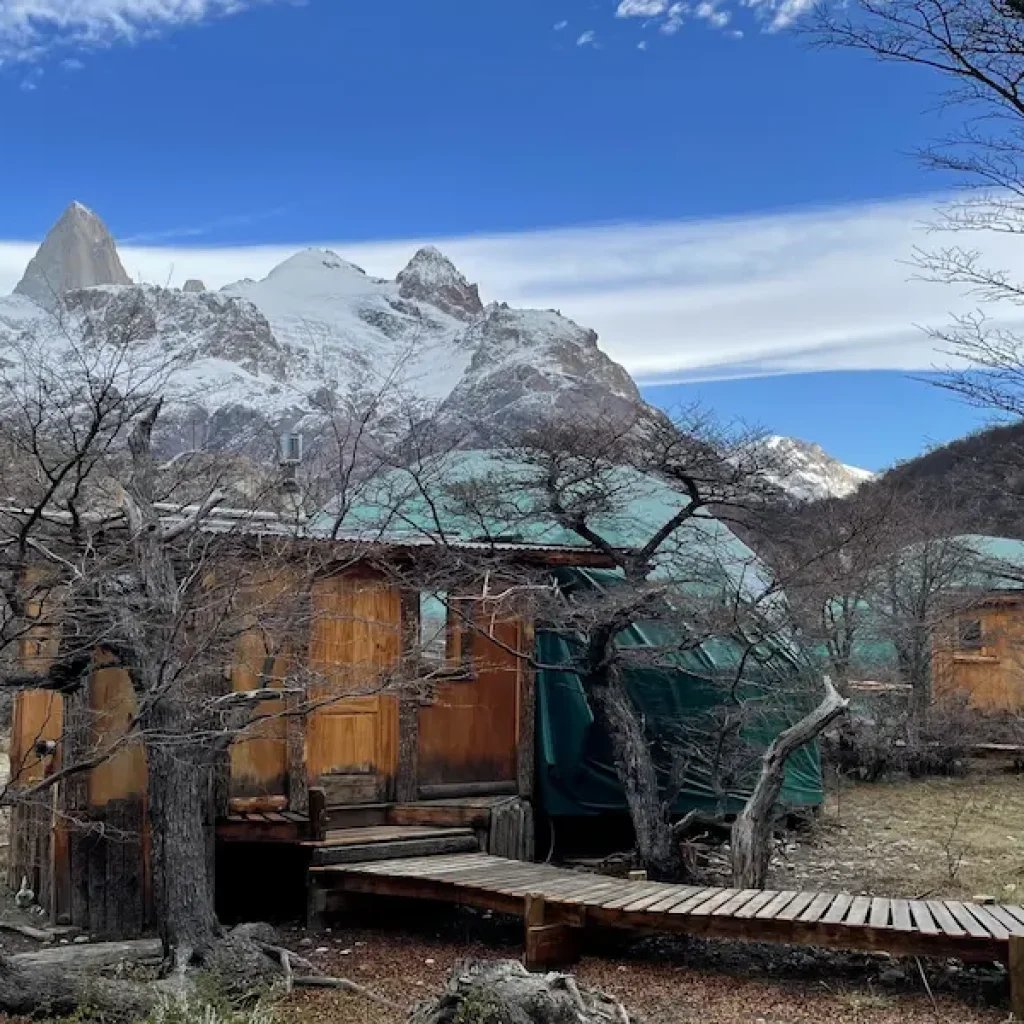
{"x":505,"y":992}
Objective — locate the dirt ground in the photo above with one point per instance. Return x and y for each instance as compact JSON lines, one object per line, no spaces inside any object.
{"x":936,"y":837}
{"x":678,"y":982}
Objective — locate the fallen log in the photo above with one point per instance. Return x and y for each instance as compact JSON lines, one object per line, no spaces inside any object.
{"x":89,"y":955}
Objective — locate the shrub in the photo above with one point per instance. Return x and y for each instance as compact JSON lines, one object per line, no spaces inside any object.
{"x":882,"y":741}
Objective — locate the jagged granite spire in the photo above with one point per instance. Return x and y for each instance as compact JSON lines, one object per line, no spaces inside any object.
{"x":79,"y":252}
{"x":431,"y":277}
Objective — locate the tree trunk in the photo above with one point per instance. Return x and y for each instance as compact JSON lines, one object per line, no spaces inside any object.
{"x":752,"y":830}
{"x":656,"y":846}
{"x":177,"y":797}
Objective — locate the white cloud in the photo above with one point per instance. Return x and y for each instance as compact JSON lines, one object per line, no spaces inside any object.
{"x":642,"y":45}
{"x":709,"y":11}
{"x":674,"y":19}
{"x":820,"y":289}
{"x":31,"y":29}
{"x":588,"y":38}
{"x":641,"y":8}
{"x":561,"y":25}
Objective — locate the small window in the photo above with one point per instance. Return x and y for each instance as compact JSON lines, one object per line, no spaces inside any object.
{"x":969,"y":635}
{"x":433,"y":639}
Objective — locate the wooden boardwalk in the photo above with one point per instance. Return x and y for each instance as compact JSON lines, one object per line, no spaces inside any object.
{"x":556,"y":901}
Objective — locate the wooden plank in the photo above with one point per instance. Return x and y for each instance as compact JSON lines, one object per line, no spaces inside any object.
{"x":699,"y":897}
{"x":837,"y":911}
{"x":649,"y":898}
{"x":632,"y":891}
{"x":969,"y":923}
{"x":859,"y":910}
{"x":923,"y":920}
{"x":592,"y":895}
{"x":901,"y":916}
{"x":1013,"y":910}
{"x":879,"y":917}
{"x":987,"y":920}
{"x":677,"y":896}
{"x":729,"y":908}
{"x":818,"y":906}
{"x":379,"y":851}
{"x":796,"y":907}
{"x":944,"y":919}
{"x":1009,"y":922}
{"x":719,"y":900}
{"x":750,"y":909}
{"x":770,"y":909}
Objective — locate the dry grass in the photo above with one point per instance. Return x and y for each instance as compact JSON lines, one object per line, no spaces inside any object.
{"x":943,"y":837}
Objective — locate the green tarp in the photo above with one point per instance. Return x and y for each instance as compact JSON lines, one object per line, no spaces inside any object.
{"x":678,"y":701}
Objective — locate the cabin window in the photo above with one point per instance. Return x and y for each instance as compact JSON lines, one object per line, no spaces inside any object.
{"x":969,"y":636}
{"x":433,"y":639}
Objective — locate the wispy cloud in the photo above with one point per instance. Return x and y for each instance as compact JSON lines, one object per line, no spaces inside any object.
{"x":241,"y":220}
{"x":822,"y":289}
{"x":32,"y":29}
{"x":560,"y":26}
{"x":588,"y":38}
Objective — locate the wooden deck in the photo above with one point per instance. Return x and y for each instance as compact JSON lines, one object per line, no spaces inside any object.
{"x":560,"y":900}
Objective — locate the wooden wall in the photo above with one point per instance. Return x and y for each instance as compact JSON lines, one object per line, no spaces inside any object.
{"x":469,"y":735}
{"x":84,"y":844}
{"x":992,"y":677}
{"x":356,"y":632}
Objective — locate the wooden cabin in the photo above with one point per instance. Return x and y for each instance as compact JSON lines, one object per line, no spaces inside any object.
{"x":446,"y":767}
{"x":978,"y":653}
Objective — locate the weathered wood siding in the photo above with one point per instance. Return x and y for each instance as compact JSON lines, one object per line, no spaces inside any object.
{"x":469,"y":734}
{"x":992,"y":677}
{"x":259,"y":760}
{"x":37,"y":715}
{"x":355,"y":635}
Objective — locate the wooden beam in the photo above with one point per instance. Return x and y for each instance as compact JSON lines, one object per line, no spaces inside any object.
{"x":317,"y":802}
{"x":527,"y":704}
{"x":548,"y":945}
{"x":407,"y":779}
{"x":1016,"y":970}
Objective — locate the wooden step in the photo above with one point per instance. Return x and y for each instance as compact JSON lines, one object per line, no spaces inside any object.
{"x":450,"y":841}
{"x":467,"y":813}
{"x":343,"y":788}
{"x":357,"y":815}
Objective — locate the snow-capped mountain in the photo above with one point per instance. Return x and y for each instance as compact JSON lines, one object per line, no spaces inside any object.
{"x":808,"y":473}
{"x":262,"y":356}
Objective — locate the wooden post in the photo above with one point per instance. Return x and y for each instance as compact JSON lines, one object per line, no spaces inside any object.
{"x":316,"y":905}
{"x":317,"y":814}
{"x":547,"y":945}
{"x":1016,"y":970}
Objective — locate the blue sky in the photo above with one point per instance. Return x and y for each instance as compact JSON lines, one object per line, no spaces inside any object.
{"x":715,"y":197}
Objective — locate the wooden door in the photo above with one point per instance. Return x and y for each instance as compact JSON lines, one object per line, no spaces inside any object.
{"x":468,"y":736}
{"x":352,"y":741}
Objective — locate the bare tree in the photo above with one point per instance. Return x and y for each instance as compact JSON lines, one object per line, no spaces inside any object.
{"x":646,"y":498}
{"x":977,"y":47}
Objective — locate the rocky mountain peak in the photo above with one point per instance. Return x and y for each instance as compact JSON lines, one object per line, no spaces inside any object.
{"x":431,"y":277}
{"x":78,"y":252}
{"x":807,"y":472}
